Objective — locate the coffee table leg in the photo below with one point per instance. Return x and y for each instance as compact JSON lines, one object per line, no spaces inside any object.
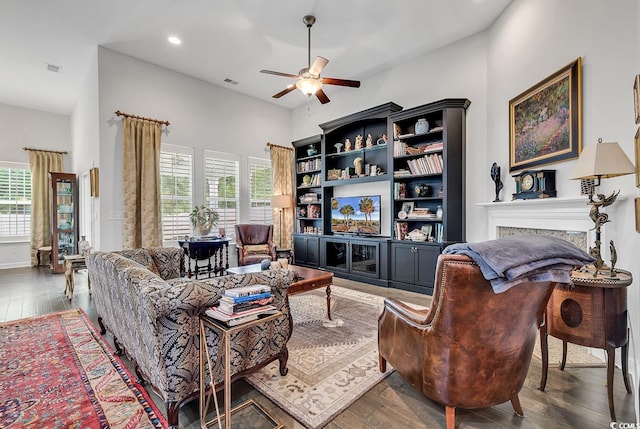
{"x":329,"y":302}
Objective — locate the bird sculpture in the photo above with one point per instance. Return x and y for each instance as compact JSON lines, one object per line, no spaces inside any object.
{"x":598,"y":218}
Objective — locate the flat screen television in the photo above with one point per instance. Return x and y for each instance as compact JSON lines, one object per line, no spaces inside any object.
{"x":356,"y":215}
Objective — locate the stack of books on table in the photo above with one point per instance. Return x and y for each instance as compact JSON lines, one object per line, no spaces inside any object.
{"x":242,"y":304}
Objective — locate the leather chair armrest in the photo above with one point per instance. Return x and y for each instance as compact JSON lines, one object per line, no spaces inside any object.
{"x":406,"y":312}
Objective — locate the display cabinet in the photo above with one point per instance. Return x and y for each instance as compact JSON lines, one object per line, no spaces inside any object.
{"x":308,"y":181}
{"x":428,"y":161}
{"x":306,"y":250}
{"x":64,"y":218}
{"x":413,"y":265}
{"x":356,"y":258}
{"x":355,"y":146}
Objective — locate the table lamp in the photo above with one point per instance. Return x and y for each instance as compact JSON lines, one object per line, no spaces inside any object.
{"x":601,"y":161}
{"x":281,"y":202}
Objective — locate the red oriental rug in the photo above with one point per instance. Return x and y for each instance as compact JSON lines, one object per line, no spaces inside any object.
{"x":56,"y":372}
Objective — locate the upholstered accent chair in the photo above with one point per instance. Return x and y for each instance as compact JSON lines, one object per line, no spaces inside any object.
{"x":254,"y":243}
{"x":472,"y":347}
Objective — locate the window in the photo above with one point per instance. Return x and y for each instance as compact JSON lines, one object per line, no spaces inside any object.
{"x":15,"y":201}
{"x":221,"y":188}
{"x":176,"y":184}
{"x":260,"y":190}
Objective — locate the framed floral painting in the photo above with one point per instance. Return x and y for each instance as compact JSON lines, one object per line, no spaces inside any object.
{"x":545,"y":121}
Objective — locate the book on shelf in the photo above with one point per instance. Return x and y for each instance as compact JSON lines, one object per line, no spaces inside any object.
{"x":247,"y":290}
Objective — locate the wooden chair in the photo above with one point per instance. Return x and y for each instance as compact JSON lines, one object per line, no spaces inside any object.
{"x":473,"y":347}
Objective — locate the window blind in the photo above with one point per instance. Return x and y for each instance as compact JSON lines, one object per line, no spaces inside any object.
{"x":15,"y":201}
{"x":260,"y":191}
{"x":176,"y":184}
{"x":221,"y":188}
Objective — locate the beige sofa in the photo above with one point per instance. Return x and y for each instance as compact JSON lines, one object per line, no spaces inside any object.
{"x":152,"y":313}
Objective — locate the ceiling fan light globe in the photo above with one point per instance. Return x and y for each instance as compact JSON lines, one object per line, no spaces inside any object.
{"x":308,"y":86}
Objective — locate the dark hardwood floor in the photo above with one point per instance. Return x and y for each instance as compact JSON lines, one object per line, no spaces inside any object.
{"x":574,"y":398}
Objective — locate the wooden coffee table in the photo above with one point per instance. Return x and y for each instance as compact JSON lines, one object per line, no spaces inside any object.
{"x":306,"y":279}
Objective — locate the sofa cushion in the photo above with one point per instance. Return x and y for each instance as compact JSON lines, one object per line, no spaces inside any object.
{"x":142,"y":257}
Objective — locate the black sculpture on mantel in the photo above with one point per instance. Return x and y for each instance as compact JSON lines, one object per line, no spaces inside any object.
{"x":495,"y":176}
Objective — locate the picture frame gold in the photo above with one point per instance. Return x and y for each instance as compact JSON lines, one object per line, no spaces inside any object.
{"x":94,"y":181}
{"x":545,"y":121}
{"x":636,"y":98}
{"x":636,"y":144}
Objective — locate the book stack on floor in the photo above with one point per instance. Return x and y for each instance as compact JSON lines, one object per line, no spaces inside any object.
{"x":243,"y":304}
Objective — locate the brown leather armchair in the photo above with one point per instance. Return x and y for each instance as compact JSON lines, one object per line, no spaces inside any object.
{"x":254,"y":243}
{"x":472,"y":347}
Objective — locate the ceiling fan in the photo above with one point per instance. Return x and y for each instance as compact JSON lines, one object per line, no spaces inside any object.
{"x":308,"y":79}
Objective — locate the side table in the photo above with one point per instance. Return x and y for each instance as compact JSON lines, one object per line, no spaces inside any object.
{"x":284,"y":253}
{"x":73,"y":263}
{"x":592,"y":313}
{"x":208,"y":390}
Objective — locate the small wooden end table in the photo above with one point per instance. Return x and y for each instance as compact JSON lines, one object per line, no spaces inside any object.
{"x":592,"y":313}
{"x":208,"y":390}
{"x":73,"y":263}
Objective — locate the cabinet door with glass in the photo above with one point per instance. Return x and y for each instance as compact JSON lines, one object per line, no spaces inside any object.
{"x":64,"y":218}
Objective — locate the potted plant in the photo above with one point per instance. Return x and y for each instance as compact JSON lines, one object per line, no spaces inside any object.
{"x":203,"y":219}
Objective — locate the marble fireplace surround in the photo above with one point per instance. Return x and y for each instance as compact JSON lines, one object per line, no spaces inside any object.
{"x":566,"y":218}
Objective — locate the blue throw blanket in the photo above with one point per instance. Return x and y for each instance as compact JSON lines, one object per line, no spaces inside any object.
{"x":516,"y":259}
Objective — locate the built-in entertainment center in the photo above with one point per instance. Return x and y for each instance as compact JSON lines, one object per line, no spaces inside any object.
{"x":380,"y":193}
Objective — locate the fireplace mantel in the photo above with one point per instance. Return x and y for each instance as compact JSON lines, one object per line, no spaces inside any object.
{"x":560,"y":214}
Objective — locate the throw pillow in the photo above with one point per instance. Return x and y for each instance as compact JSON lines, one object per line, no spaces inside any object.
{"x":256,"y":249}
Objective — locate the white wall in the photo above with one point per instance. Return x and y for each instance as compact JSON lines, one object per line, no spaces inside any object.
{"x":534,"y":38}
{"x":202,"y":116}
{"x":86,"y":146}
{"x":29,"y":128}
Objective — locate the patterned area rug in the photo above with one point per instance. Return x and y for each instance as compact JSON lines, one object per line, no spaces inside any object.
{"x":56,"y":372}
{"x":331,"y":363}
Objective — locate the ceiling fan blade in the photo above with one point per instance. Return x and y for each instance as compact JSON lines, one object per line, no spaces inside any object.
{"x":285,"y":91}
{"x":318,"y":64}
{"x":294,"y":76}
{"x":341,"y":82}
{"x":322,"y":96}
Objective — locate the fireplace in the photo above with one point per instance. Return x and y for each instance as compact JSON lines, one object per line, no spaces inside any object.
{"x":566,"y":218}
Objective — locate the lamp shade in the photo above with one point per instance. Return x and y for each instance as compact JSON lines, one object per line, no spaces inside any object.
{"x":602,"y":160}
{"x":281,"y":201}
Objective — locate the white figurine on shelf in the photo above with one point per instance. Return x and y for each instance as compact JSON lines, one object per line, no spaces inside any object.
{"x":357,"y":163}
{"x":358,"y":142}
{"x":369,"y":142}
{"x":347,"y":145}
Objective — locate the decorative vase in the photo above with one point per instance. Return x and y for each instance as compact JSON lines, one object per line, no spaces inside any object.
{"x":84,"y":246}
{"x":312,"y":150}
{"x":422,"y":126}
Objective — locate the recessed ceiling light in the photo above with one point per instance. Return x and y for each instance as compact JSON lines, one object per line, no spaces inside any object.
{"x":174,"y":40}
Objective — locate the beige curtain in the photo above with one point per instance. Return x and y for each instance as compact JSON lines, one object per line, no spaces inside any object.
{"x":282,"y":167}
{"x":141,"y":217}
{"x":41,"y":162}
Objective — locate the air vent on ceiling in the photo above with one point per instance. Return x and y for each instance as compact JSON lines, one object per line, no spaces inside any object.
{"x":231,"y":81}
{"x":53,"y":68}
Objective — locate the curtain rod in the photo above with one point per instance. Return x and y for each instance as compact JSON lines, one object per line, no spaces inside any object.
{"x":270,"y":145}
{"x":129,"y":115}
{"x":64,"y":152}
